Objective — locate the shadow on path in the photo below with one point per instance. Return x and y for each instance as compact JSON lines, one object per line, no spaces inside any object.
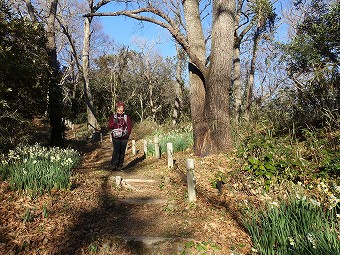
{"x":132,"y":165}
{"x":107,"y":221}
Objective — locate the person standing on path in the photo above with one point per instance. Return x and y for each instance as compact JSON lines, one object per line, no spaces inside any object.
{"x":121,"y":126}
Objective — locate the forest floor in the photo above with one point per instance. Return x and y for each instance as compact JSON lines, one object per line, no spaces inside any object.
{"x":148,"y":214}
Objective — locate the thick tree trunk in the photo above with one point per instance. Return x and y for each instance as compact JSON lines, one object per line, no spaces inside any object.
{"x":218,"y":138}
{"x":197,"y":97}
{"x":55,"y":91}
{"x":210,"y":94}
{"x":91,"y":117}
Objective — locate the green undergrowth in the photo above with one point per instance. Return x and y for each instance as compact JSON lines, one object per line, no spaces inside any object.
{"x":180,"y":138}
{"x":315,"y":154}
{"x":294,"y":226}
{"x":37,"y":169}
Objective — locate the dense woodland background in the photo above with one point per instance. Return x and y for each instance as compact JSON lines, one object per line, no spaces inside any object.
{"x":48,"y":71}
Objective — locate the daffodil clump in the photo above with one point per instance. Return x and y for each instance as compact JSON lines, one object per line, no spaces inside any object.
{"x":298,"y":225}
{"x":330,"y":194}
{"x":37,"y":169}
{"x":181,"y":139}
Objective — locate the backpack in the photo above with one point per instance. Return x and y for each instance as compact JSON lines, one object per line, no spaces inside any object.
{"x":120,"y":130}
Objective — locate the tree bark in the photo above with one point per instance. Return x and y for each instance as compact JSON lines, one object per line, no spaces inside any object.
{"x":218,"y":137}
{"x":237,"y":85}
{"x":178,"y":104}
{"x":237,"y":89}
{"x":91,"y":117}
{"x":250,"y":81}
{"x":55,"y":91}
{"x":54,"y":88}
{"x":197,"y":86}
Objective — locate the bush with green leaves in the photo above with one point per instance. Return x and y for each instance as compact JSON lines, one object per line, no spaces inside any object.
{"x":296,"y":226}
{"x":36,"y":169}
{"x":312,"y":155}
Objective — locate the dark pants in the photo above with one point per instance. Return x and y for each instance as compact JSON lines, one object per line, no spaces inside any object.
{"x":119,"y":147}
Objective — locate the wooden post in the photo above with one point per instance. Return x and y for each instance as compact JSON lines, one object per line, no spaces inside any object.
{"x":157,"y":151}
{"x":101,"y":137}
{"x":118,"y":181}
{"x":191,"y":180}
{"x":170,"y":155}
{"x":145,"y":145}
{"x":133,"y":142}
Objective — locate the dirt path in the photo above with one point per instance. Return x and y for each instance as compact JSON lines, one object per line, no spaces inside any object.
{"x":147,"y":214}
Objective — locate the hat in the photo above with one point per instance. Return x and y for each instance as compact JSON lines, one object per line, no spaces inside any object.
{"x":120,"y":104}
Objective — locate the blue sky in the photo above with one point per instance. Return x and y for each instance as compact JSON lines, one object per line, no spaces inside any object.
{"x":125,"y":31}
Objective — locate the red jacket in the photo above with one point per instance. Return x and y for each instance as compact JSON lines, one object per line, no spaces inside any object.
{"x":121,"y":121}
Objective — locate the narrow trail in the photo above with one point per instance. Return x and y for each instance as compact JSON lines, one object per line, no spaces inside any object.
{"x":130,"y":218}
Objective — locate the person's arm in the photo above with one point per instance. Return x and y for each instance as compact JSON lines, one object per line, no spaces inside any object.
{"x":112,"y":122}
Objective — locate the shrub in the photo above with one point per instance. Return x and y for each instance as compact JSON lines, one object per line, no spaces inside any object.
{"x":312,"y":156}
{"x":144,"y":129}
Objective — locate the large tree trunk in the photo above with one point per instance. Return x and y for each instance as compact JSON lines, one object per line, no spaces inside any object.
{"x":54,"y":88}
{"x":218,"y":138}
{"x":91,"y":117}
{"x":197,"y":97}
{"x":210,"y":94}
{"x":55,"y":91}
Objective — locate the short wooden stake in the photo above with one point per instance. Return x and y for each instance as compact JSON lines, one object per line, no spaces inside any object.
{"x":191,"y":180}
{"x":133,"y":142}
{"x":118,"y":181}
{"x":157,"y":151}
{"x":170,"y":155}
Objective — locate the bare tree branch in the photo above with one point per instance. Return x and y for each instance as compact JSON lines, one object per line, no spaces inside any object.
{"x":168,"y":24}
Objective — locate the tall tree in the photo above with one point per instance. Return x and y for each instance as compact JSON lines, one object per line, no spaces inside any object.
{"x":24,"y":74}
{"x":179,"y":86}
{"x":209,"y":83}
{"x":312,"y":59}
{"x":257,"y":16}
{"x":91,"y":113}
{"x":264,"y":20}
{"x":54,"y":88}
